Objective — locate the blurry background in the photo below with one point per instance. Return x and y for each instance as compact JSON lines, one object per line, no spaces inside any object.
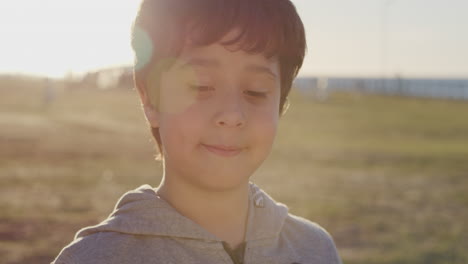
{"x":374,"y":146}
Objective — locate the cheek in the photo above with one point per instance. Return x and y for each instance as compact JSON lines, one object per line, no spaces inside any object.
{"x":265,"y":125}
{"x":183,"y":129}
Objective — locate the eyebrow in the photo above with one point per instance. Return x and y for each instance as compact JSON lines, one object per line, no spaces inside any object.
{"x":208,"y":63}
{"x":254,"y":68}
{"x":213,"y":63}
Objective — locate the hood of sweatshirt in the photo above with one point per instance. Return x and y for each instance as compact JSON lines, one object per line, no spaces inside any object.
{"x":143,"y":212}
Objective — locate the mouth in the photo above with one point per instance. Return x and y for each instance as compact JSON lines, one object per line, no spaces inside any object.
{"x":224,"y":151}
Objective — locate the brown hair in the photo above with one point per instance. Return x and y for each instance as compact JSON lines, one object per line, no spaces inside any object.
{"x":163,"y":27}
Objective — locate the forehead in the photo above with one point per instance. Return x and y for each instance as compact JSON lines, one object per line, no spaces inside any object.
{"x":218,"y":56}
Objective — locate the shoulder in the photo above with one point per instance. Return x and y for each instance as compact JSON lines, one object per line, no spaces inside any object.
{"x":301,"y":227}
{"x":98,"y":247}
{"x":311,"y":237}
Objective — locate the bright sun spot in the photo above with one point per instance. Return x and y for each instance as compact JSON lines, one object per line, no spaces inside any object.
{"x":54,"y":37}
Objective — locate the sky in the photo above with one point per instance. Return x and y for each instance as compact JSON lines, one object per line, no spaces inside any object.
{"x":363,"y":38}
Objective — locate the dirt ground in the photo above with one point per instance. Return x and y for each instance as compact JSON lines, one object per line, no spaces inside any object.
{"x":386,"y":176}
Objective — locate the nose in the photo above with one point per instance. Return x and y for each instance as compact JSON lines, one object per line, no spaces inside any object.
{"x":231,"y":112}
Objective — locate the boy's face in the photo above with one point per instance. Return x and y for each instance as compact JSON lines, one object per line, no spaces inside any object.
{"x":217,"y":115}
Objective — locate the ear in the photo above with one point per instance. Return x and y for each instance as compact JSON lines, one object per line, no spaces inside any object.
{"x":151,"y":114}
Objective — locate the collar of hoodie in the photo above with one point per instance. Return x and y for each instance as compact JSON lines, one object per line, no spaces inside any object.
{"x":143,"y":212}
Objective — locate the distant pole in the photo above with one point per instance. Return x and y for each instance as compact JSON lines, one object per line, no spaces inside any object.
{"x":384,"y":34}
{"x":49,"y":92}
{"x":322,"y":89}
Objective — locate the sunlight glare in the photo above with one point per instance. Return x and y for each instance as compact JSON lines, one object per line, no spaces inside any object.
{"x":54,"y":37}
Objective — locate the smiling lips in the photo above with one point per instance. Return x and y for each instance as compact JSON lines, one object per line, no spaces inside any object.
{"x":225,"y":151}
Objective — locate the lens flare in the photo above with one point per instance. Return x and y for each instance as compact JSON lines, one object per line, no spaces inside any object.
{"x":143,"y":47}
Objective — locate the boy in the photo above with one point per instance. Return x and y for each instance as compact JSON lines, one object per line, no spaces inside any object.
{"x":213,"y":77}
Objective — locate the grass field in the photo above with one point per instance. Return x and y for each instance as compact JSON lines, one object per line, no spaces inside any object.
{"x":386,"y":176}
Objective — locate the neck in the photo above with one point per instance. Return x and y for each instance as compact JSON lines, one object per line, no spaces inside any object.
{"x":221,"y":212}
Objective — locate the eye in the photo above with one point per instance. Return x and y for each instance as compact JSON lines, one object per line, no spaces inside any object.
{"x":201,"y":88}
{"x":256,"y":94}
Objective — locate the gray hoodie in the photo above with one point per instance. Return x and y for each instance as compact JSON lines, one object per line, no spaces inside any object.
{"x":143,"y":228}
